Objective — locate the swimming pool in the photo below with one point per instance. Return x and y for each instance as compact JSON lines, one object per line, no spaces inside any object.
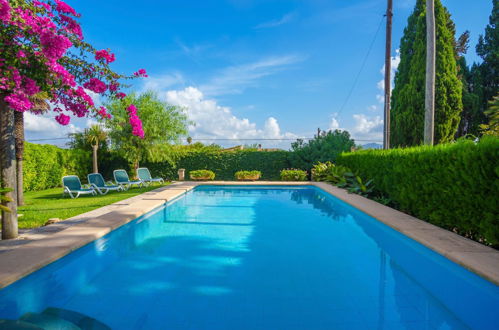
{"x":258,"y":258}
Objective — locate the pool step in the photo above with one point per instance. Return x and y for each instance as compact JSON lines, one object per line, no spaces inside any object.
{"x":47,"y":321}
{"x":83,"y":322}
{"x":53,"y":319}
{"x":17,"y":325}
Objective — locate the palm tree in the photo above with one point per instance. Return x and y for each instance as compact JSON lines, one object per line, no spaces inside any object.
{"x":94,"y":135}
{"x":40,"y":104}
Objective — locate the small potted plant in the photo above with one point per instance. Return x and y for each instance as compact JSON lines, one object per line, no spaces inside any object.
{"x":201,"y":175}
{"x":248,"y":175}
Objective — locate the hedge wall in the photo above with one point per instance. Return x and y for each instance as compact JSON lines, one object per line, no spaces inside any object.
{"x":225,"y":163}
{"x":45,"y":165}
{"x":454,"y":186}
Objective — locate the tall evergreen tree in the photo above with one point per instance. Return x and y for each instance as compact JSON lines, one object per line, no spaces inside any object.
{"x":408,"y":97}
{"x":486,"y":75}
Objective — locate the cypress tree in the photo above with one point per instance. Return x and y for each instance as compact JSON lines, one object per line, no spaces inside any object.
{"x":407,"y":113}
{"x":485,"y":81}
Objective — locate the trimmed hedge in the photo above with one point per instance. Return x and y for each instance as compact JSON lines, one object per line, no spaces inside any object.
{"x":224,"y":163}
{"x":44,"y":165}
{"x":454,"y":186}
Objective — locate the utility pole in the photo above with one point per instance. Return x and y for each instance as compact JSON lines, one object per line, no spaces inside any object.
{"x":388,"y":70}
{"x":429,"y":116}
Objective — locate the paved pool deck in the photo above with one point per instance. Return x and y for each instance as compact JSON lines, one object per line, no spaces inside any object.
{"x":38,"y":247}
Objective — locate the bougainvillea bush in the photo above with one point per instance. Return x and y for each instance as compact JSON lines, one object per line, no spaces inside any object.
{"x":42,"y":49}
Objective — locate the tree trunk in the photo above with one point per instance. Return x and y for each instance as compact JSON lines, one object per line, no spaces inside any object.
{"x":429,"y":120}
{"x":94,"y":157}
{"x":8,"y":169}
{"x":19,"y":136}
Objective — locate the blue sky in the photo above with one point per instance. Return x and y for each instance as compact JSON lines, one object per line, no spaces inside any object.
{"x":258,"y":68}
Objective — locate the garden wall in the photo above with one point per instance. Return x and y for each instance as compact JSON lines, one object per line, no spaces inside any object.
{"x":454,"y":186}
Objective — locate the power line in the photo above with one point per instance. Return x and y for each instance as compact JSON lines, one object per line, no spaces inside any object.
{"x":361,"y":67}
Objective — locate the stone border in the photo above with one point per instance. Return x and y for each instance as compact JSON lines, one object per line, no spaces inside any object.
{"x":40,"y":247}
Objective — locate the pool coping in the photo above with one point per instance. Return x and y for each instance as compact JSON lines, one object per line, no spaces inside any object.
{"x":48,"y":246}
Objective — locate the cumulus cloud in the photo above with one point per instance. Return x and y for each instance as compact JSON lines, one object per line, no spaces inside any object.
{"x":215,"y":121}
{"x":335,"y":124}
{"x":45,"y":127}
{"x":368,"y":128}
{"x":276,"y":22}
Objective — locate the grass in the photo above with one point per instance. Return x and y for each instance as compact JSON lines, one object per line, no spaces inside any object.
{"x":45,"y":204}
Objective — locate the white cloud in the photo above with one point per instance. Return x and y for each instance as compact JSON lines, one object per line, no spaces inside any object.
{"x":276,"y":22}
{"x":372,"y":107}
{"x":395,"y":61}
{"x":368,"y":128}
{"x":162,"y":83}
{"x":45,"y":127}
{"x":215,"y":121}
{"x":234,"y":79}
{"x":334,"y":124}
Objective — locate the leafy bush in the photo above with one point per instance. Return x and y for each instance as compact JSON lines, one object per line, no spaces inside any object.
{"x":326,"y":146}
{"x":454,"y":186}
{"x":293,"y":175}
{"x":202,"y":175}
{"x":335,"y":174}
{"x":247,"y":175}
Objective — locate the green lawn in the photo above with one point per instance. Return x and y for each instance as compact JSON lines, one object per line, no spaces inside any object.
{"x":43,"y":205}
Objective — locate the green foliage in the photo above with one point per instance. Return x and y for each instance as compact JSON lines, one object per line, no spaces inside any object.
{"x":355,"y":184}
{"x":223,"y":163}
{"x":325,"y":146}
{"x":4,"y":198}
{"x":454,"y":186}
{"x":202,"y":175}
{"x":329,"y":172}
{"x":248,"y":175}
{"x":163,"y":124}
{"x":293,"y":175}
{"x":408,"y":97}
{"x":492,"y":128}
{"x":45,"y":165}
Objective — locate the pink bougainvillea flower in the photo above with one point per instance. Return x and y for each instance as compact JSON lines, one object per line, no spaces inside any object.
{"x":72,"y":26}
{"x":18,"y":102}
{"x":95,"y":85}
{"x":140,"y":73}
{"x":135,"y":121}
{"x":120,"y":95}
{"x":64,"y":8}
{"x":63,"y":119}
{"x":4,"y":10}
{"x":30,"y":86}
{"x":54,"y":45}
{"x":104,"y":54}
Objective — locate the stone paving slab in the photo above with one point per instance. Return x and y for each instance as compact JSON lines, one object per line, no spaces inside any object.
{"x":38,"y":247}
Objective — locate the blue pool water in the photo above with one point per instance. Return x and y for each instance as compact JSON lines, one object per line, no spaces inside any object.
{"x":258,"y":258}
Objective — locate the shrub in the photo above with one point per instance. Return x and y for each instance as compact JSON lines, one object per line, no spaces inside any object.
{"x":293,"y":175}
{"x":454,"y":186}
{"x":202,"y":175}
{"x":325,"y":146}
{"x":248,"y":175}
